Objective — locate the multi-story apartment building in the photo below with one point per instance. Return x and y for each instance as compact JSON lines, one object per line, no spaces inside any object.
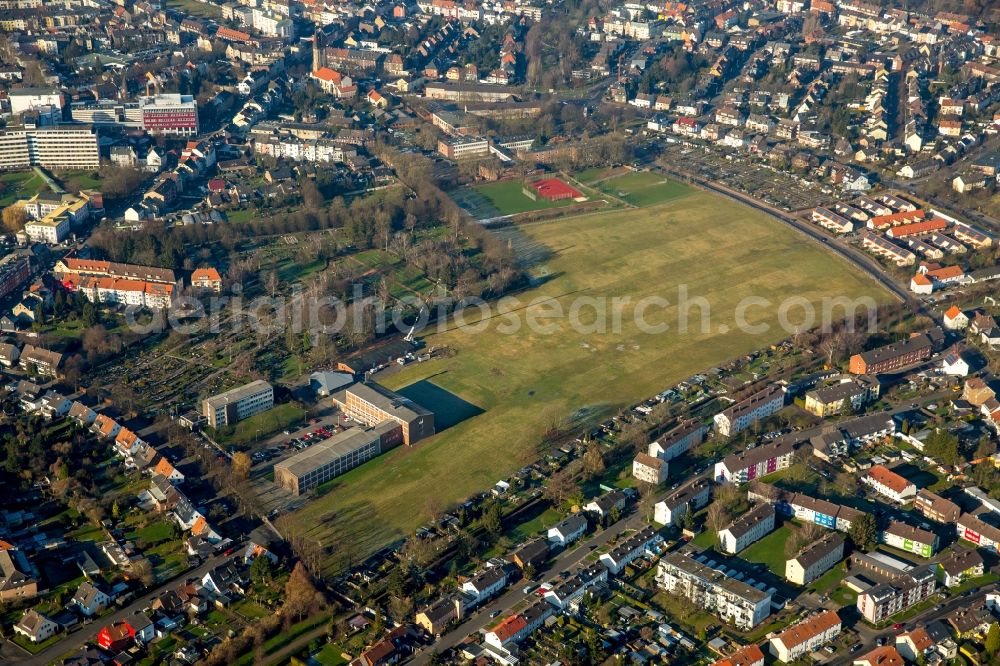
{"x":752,"y":526}
{"x":52,"y":147}
{"x":115,"y":291}
{"x":739,"y":416}
{"x":731,"y":600}
{"x":892,"y":356}
{"x":455,"y":148}
{"x":68,"y":267}
{"x":909,"y":538}
{"x":805,"y":508}
{"x":237,"y":404}
{"x":169,"y":114}
{"x":850,"y":395}
{"x":335,"y":456}
{"x":804,"y":637}
{"x":372,"y":404}
{"x":689,"y":497}
{"x":936,"y":507}
{"x":649,"y":469}
{"x":974,"y":530}
{"x":14,"y":272}
{"x":630,"y":549}
{"x":886,"y":599}
{"x":755,"y":463}
{"x":889,"y":484}
{"x":677,"y":441}
{"x":815,"y":559}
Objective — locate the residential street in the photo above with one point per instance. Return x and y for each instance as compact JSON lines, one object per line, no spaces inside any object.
{"x":566,"y":560}
{"x":10,"y":653}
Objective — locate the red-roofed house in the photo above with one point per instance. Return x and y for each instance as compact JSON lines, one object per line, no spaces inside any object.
{"x":890,"y":484}
{"x":750,"y":655}
{"x":206,"y":278}
{"x":116,"y":637}
{"x":508,"y":631}
{"x":334,"y":83}
{"x":955,"y":319}
{"x":165,"y":468}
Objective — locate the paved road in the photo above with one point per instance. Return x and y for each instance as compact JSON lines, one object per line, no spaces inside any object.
{"x":73,"y":641}
{"x":565,"y":561}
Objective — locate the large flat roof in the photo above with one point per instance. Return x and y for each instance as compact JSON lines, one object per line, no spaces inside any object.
{"x":388,"y":401}
{"x":332,"y":448}
{"x":238,"y":393}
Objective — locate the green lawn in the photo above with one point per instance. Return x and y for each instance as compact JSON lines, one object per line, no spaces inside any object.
{"x":261,"y":425}
{"x":155,"y":533}
{"x":330,"y":655}
{"x":644,"y":188}
{"x":19,"y":185}
{"x":195,"y":8}
{"x":529,"y":378}
{"x":79,"y":180}
{"x":829,"y":580}
{"x":508,"y":198}
{"x":770,"y":550}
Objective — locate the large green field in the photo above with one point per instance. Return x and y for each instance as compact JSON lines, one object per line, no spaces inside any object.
{"x":644,"y":188}
{"x":503,"y":198}
{"x":527,"y":381}
{"x":19,"y":185}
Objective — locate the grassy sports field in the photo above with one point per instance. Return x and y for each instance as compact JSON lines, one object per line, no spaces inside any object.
{"x":644,"y":188}
{"x":502,"y":198}
{"x":526,"y":381}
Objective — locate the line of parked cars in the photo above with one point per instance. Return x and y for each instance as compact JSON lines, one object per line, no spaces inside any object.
{"x":310,"y":438}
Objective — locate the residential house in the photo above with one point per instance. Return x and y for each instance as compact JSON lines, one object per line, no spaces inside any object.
{"x":733,"y":601}
{"x":207,"y":278}
{"x":911,"y":539}
{"x":755,"y":463}
{"x":935,"y":507}
{"x":880,"y":656}
{"x":603,"y":506}
{"x":741,"y":415}
{"x":89,"y":599}
{"x":954,"y":319}
{"x":748,"y":655}
{"x":805,"y":637}
{"x":747,"y":528}
{"x":567,"y":530}
{"x":485,"y":584}
{"x":532,"y":554}
{"x":884,"y":600}
{"x":631,"y":548}
{"x":959,"y":565}
{"x":16,"y":583}
{"x":649,"y":469}
{"x":915,"y":646}
{"x":689,"y":497}
{"x":35,"y":627}
{"x":815,"y":559}
{"x":889,"y":484}
{"x":435,"y":618}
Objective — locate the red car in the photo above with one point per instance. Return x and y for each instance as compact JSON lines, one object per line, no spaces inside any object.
{"x":897,"y":626}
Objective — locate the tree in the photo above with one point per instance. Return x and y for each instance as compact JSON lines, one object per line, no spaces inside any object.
{"x":993,"y":640}
{"x":241,"y":466}
{"x":492,"y":519}
{"x":863,"y":532}
{"x":560,"y":487}
{"x":943,"y":445}
{"x":593,"y":461}
{"x":14,"y":218}
{"x":300,"y":593}
{"x":261,"y":570}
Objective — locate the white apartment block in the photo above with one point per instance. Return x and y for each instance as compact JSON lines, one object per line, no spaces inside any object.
{"x":752,"y":526}
{"x":648,"y":469}
{"x":49,"y":230}
{"x":806,"y":636}
{"x":689,"y":497}
{"x":741,"y":415}
{"x":239,"y":403}
{"x":815,"y":559}
{"x":677,"y":441}
{"x":755,"y":463}
{"x":54,"y":147}
{"x":731,"y":600}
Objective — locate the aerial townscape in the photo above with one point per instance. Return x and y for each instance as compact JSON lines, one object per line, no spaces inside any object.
{"x":516,"y":332}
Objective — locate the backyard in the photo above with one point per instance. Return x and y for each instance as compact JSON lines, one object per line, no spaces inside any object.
{"x":529,"y":369}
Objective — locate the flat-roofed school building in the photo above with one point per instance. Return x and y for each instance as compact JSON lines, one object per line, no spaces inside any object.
{"x":237,"y":404}
{"x":372,"y":404}
{"x":335,"y":456}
